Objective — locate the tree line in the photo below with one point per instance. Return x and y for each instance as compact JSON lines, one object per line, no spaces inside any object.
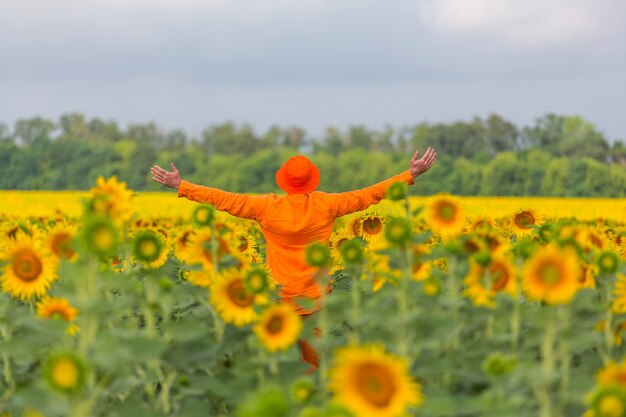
{"x":557,"y":155}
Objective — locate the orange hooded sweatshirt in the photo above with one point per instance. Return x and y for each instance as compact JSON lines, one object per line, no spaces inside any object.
{"x":290,"y":223}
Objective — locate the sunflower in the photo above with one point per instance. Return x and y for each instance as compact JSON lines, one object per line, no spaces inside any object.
{"x":444,"y":215}
{"x":607,"y":261}
{"x":372,"y":226}
{"x":482,"y":224}
{"x":100,"y":236}
{"x":66,"y":372}
{"x":231,"y":299}
{"x":202,"y":278}
{"x":607,"y":401}
{"x":149,"y":248}
{"x":524,"y":220}
{"x":257,"y":280}
{"x":199,"y":248}
{"x":316,"y":254}
{"x":398,"y":231}
{"x":279,"y":327}
{"x":619,"y":292}
{"x":110,"y":198}
{"x":61,"y":242}
{"x":420,"y":269}
{"x":354,"y":225}
{"x":203,"y":215}
{"x":379,"y":266}
{"x":51,"y":307}
{"x":29,"y":270}
{"x":181,"y":243}
{"x":245,"y":242}
{"x":336,"y":240}
{"x":372,"y":383}
{"x":551,"y":275}
{"x":612,"y":374}
{"x":482,"y":283}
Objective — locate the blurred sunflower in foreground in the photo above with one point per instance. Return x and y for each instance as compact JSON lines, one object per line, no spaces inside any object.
{"x":110,"y":198}
{"x":444,"y":215}
{"x":372,"y":383}
{"x":551,"y":275}
{"x":279,"y":327}
{"x":232,"y":300}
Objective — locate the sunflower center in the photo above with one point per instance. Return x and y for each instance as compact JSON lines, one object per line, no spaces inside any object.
{"x":550,"y":273}
{"x":238,"y":294}
{"x":341,"y":242}
{"x":148,"y":248}
{"x":65,"y":373}
{"x":103,"y":239}
{"x":611,"y":406}
{"x":62,"y":245}
{"x":27,"y":265}
{"x":375,"y":384}
{"x":446,"y":212}
{"x":202,"y":215}
{"x":275,"y":324}
{"x":524,"y":220}
{"x":372,"y":225}
{"x":59,"y":313}
{"x":243,"y":244}
{"x":499,"y":275}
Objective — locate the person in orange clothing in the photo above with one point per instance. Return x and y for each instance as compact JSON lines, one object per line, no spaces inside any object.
{"x":293,"y":221}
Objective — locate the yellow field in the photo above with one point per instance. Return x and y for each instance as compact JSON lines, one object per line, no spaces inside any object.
{"x":153,"y":204}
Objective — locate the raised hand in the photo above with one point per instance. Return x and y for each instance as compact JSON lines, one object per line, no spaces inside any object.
{"x":418,"y":166}
{"x":169,"y":179}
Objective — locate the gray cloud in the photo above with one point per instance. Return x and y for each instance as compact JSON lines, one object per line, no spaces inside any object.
{"x":73,"y":55}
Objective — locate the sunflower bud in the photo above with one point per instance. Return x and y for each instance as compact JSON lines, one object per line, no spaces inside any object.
{"x":317,"y":255}
{"x":256,"y":280}
{"x":497,"y":364}
{"x":203,"y":215}
{"x":608,"y":262}
{"x":351,"y":251}
{"x":398,"y":230}
{"x":65,"y":372}
{"x":397,"y":191}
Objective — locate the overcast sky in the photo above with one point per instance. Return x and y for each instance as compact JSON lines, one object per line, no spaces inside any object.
{"x":314,"y":63}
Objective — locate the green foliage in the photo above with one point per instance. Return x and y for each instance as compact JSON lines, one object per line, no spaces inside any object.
{"x":556,"y":156}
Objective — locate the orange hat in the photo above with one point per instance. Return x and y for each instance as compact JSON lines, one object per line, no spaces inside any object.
{"x":298,"y":176}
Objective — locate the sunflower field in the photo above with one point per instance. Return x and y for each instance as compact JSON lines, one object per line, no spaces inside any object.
{"x":114,"y":304}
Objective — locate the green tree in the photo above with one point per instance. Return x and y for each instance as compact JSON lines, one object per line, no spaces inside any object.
{"x":466,"y":177}
{"x":27,"y":130}
{"x":556,"y":179}
{"x":503,"y":175}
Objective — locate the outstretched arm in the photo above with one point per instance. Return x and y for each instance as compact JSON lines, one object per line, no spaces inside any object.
{"x":239,"y":205}
{"x":349,"y":202}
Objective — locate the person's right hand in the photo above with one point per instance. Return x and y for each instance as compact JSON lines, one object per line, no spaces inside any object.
{"x":169,"y":179}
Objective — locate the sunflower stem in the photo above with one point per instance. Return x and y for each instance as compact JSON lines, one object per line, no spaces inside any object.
{"x":547,"y":367}
{"x":516,"y":316}
{"x":147,"y":309}
{"x":453,"y":294}
{"x":323,"y":326}
{"x":608,"y":317}
{"x":214,"y":247}
{"x":403,"y":303}
{"x":87,"y":295}
{"x":217,"y":320}
{"x":6,"y":336}
{"x":564,"y":320}
{"x":356,"y":305}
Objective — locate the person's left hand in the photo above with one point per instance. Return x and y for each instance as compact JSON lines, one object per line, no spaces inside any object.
{"x":418,"y":166}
